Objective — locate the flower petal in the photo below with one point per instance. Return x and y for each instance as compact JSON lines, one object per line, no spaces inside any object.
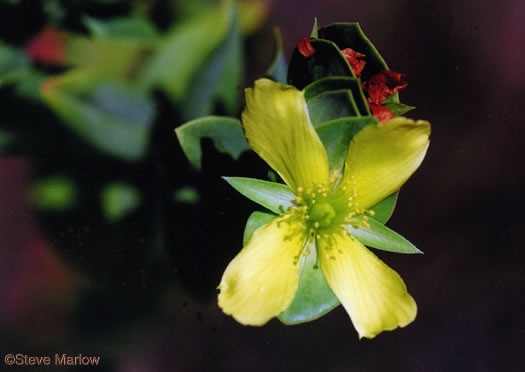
{"x":276,"y":124}
{"x":261,"y":281}
{"x":373,"y":294}
{"x":382,"y":157}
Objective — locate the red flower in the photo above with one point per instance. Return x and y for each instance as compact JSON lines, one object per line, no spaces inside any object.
{"x":383,"y":84}
{"x":352,"y":58}
{"x":380,"y":112}
{"x":47,"y":47}
{"x":305,"y":47}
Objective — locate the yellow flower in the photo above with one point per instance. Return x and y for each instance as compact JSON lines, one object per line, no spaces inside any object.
{"x":261,"y":281}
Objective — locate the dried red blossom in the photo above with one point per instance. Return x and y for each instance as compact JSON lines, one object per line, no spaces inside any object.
{"x":383,"y":84}
{"x":380,"y":112}
{"x":305,"y":47}
{"x":352,"y":58}
{"x":48,"y":47}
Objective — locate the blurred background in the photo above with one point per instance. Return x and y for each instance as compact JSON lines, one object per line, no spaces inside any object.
{"x":112,"y":243}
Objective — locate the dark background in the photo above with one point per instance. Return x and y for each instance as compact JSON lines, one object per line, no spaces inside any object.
{"x":465,"y":68}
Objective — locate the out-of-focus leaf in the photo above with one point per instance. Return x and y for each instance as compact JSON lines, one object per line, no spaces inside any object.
{"x":6,"y":139}
{"x":337,"y":134}
{"x":337,"y":83}
{"x":276,"y":197}
{"x":118,"y":200}
{"x":332,"y":105}
{"x":398,"y":109}
{"x":110,"y":116}
{"x":185,"y":50}
{"x":257,"y":219}
{"x":277,"y":69}
{"x":325,"y":62}
{"x":313,"y":298}
{"x":54,"y":193}
{"x":384,"y":209}
{"x":128,"y":28}
{"x":186,"y":194}
{"x":350,"y":35}
{"x":253,"y":15}
{"x":381,"y":237}
{"x":14,"y":65}
{"x":218,"y":80}
{"x":226,"y":134}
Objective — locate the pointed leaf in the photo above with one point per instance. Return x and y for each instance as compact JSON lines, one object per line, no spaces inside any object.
{"x":398,"y":109}
{"x":337,"y":83}
{"x":326,"y":61}
{"x":130,"y":28}
{"x":276,"y":197}
{"x":314,"y":32}
{"x":337,"y":134}
{"x":226,"y":134}
{"x":314,"y":298}
{"x":381,"y":237}
{"x":257,"y":219}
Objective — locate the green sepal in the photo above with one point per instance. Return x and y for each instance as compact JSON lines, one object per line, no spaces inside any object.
{"x":226,"y":134}
{"x":337,"y":134}
{"x":332,"y":105}
{"x":337,"y":83}
{"x":277,"y":69}
{"x":313,"y":298}
{"x":398,"y":109}
{"x":326,"y":61}
{"x":276,"y":197}
{"x":257,"y":219}
{"x":109,"y":115}
{"x":350,"y":35}
{"x":381,"y":237}
{"x":384,"y":209}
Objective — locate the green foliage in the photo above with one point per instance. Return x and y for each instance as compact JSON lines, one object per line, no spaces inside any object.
{"x":54,"y":193}
{"x":226,"y":134}
{"x":276,"y":197}
{"x":118,"y":200}
{"x":257,"y":219}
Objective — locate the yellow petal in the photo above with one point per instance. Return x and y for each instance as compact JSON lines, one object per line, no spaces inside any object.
{"x":276,"y":124}
{"x":381,"y":158}
{"x":373,"y":294}
{"x":261,"y":281}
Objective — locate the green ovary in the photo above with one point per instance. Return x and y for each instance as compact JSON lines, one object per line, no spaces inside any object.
{"x":322,"y":213}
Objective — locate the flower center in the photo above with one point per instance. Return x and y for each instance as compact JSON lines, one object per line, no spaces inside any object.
{"x":323,"y":213}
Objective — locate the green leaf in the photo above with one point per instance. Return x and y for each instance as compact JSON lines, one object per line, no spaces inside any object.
{"x":314,"y":32}
{"x":226,"y":134}
{"x":184,"y":51}
{"x":313,"y":298}
{"x":108,"y":115}
{"x":257,"y":219}
{"x":14,"y":65}
{"x":335,"y":84}
{"x":398,"y":109}
{"x":384,"y":209}
{"x":326,"y":61}
{"x":118,"y":200}
{"x":130,"y":28}
{"x":187,"y":195}
{"x":350,"y":35}
{"x":332,"y":105}
{"x":337,"y":134}
{"x":381,"y":237}
{"x":277,"y":69}
{"x":218,"y":79}
{"x":55,"y":193}
{"x":276,"y":197}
